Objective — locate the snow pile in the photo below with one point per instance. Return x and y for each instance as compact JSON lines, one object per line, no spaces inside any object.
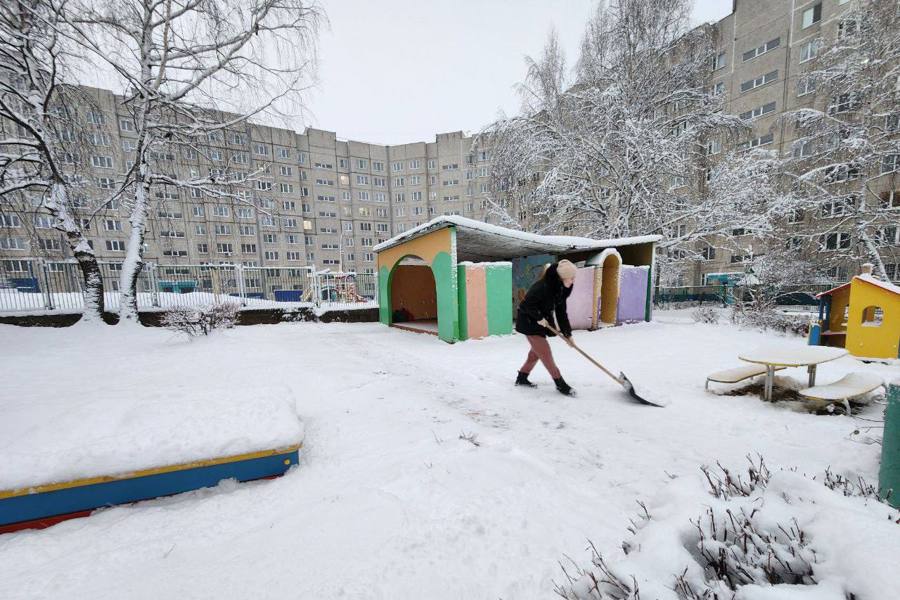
{"x":102,"y":433}
{"x":760,"y":536}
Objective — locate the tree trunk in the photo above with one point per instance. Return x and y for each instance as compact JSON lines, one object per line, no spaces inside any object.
{"x":84,"y":254}
{"x":134,"y":258}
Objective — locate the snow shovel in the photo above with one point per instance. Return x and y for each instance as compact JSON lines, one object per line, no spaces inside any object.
{"x":621,"y":379}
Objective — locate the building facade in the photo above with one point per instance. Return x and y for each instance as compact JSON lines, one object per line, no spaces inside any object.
{"x":317,"y":201}
{"x":766,"y":49}
{"x":325,"y":202}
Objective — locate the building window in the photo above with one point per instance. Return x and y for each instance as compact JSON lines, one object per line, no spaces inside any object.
{"x":802,"y":148}
{"x":812,"y":15}
{"x":806,"y":85}
{"x":225,"y":249}
{"x":836,"y":174}
{"x":836,"y":241}
{"x":891,"y":200}
{"x":12,"y":243}
{"x":810,"y":50}
{"x":843,"y":103}
{"x":102,"y":162}
{"x":126,"y":124}
{"x":759,"y":81}
{"x":889,"y":163}
{"x":719,"y":61}
{"x":762,"y":140}
{"x":115,"y":245}
{"x":847,"y":28}
{"x":261,"y":149}
{"x":839,"y":207}
{"x":795,"y":216}
{"x":223,"y":229}
{"x":758,"y":111}
{"x":768,"y":46}
{"x":12,"y":221}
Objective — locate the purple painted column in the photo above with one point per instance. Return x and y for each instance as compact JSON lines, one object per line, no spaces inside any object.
{"x":632,"y":294}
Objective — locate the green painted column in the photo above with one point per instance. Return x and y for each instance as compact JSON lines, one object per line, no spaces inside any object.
{"x":648,"y":305}
{"x":445,"y":283}
{"x":384,"y":295}
{"x":498,"y":284}
{"x":889,"y":475}
{"x":463,"y":305}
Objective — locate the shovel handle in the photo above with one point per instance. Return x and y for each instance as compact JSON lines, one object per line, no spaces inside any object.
{"x":585,"y":354}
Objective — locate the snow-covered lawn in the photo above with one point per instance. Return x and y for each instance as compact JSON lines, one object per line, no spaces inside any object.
{"x":389,"y":501}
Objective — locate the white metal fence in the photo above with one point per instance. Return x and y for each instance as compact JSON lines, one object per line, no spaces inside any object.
{"x":35,"y":285}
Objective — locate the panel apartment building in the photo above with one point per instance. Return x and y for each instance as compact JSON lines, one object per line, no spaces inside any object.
{"x":765,"y":49}
{"x":326,"y":202}
{"x":320,"y":202}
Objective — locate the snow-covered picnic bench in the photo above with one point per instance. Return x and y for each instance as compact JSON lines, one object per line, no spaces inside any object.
{"x":737,"y":374}
{"x":773,"y":357}
{"x":851,"y":385}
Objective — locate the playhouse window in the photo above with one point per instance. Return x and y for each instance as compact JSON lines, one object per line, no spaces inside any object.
{"x":872,"y":316}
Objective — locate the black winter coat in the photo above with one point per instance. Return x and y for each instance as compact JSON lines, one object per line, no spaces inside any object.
{"x":547,"y":296}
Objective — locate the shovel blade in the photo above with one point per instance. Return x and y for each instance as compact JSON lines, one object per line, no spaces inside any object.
{"x":629,"y":387}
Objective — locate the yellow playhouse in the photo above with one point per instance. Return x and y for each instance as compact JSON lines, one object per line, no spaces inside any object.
{"x":862,"y":316}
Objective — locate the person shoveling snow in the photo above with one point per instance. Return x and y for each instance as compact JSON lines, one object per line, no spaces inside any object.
{"x":547,"y":296}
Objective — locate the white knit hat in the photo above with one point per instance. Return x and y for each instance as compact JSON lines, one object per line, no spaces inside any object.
{"x":566,"y":269}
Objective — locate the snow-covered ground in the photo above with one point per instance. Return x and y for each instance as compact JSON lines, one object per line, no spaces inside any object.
{"x":389,"y":501}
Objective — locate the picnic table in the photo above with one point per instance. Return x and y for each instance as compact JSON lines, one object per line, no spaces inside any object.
{"x":790,"y":356}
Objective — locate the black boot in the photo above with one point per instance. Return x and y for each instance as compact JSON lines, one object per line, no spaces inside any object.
{"x":522,"y":379}
{"x":562,"y":387}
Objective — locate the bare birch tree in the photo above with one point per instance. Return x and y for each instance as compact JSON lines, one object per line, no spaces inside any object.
{"x":39,"y":148}
{"x":618,"y":150}
{"x":180,"y":60}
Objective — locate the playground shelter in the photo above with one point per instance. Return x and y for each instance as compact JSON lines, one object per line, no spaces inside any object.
{"x":459,"y":278}
{"x":862,"y":315}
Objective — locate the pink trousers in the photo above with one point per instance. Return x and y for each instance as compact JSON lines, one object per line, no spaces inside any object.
{"x":540,"y":350}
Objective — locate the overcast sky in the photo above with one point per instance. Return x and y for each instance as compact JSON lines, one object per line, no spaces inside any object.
{"x":401,"y":71}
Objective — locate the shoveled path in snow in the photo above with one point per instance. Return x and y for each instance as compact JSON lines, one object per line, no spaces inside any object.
{"x":388,"y":502}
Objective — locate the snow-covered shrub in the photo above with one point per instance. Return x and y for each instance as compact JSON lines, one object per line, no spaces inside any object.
{"x":705,"y":314}
{"x":769,"y":318}
{"x":759,"y":534}
{"x":597,"y":584}
{"x":203,"y":320}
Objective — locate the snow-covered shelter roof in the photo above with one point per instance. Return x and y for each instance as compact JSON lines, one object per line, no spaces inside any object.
{"x":479,"y":241}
